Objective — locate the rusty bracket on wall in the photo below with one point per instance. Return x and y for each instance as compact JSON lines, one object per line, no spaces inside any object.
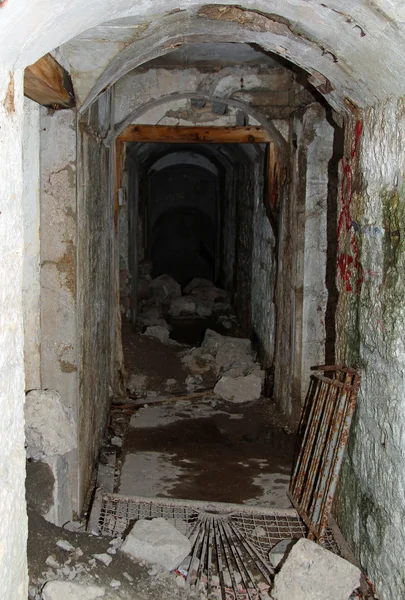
{"x":324,"y":432}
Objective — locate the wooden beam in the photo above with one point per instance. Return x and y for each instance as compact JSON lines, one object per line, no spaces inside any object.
{"x":196,"y":135}
{"x":49,"y":84}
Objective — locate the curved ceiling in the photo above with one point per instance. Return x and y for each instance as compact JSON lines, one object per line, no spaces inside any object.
{"x":354,"y":50}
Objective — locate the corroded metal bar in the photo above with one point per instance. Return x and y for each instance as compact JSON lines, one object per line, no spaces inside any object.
{"x":324,"y":440}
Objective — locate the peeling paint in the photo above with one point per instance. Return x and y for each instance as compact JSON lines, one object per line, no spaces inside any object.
{"x":8,"y":101}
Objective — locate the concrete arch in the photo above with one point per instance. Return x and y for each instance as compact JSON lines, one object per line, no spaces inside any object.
{"x":184,"y":158}
{"x":275,"y":134}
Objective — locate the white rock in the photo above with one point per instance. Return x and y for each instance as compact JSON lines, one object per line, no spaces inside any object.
{"x":51,"y":562}
{"x":209,"y":293}
{"x":49,"y":427}
{"x":197,"y":282}
{"x":312,"y":573}
{"x":280,"y":551}
{"x":239,"y":389}
{"x":137,"y":384}
{"x":116,"y":441}
{"x":182,"y":306}
{"x":160,"y":333}
{"x":127,"y":576}
{"x":234,"y":353}
{"x":204,"y":309}
{"x":164,"y":287}
{"x":103,"y":558}
{"x":157,"y":541}
{"x":193,"y":383}
{"x":114,"y":583}
{"x":64,"y":545}
{"x":66,"y":590}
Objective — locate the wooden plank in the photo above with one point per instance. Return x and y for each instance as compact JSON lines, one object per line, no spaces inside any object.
{"x":49,"y":84}
{"x":196,"y":135}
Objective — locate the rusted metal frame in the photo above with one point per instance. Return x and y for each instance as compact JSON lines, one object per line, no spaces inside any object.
{"x":324,"y":455}
{"x":241,"y":563}
{"x":338,"y":455}
{"x":265,"y":568}
{"x":336,"y":368}
{"x":298,"y":474}
{"x":228,"y":561}
{"x":328,"y":453}
{"x":307,"y":443}
{"x":219,"y":560}
{"x":319,"y":446}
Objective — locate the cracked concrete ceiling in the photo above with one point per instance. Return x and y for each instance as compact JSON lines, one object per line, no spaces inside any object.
{"x":353,"y":50}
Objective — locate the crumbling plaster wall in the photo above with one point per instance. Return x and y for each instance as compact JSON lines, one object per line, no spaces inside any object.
{"x":13,"y":524}
{"x":370,"y":333}
{"x":252,"y":86}
{"x":302,"y":294}
{"x":263,"y":271}
{"x":97,"y":285}
{"x":59,"y":343}
{"x":31,"y":274}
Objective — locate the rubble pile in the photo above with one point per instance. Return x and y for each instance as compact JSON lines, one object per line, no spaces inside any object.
{"x":161,"y":299}
{"x":239,"y":377}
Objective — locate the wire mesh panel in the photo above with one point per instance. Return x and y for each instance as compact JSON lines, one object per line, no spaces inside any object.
{"x":324,"y":431}
{"x":230,"y":543}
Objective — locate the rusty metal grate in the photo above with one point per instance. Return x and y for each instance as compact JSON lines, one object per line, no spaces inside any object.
{"x":324,"y":431}
{"x":230,"y":543}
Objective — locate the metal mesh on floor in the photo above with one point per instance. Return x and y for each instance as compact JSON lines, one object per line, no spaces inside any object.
{"x":230,"y":543}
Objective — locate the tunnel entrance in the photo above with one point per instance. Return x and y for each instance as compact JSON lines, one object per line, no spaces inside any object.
{"x":197,"y":252}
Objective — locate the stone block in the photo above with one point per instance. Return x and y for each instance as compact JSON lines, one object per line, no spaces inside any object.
{"x":182,"y":306}
{"x":312,"y":573}
{"x":49,"y":427}
{"x":158,"y":542}
{"x":66,"y":590}
{"x":239,"y":389}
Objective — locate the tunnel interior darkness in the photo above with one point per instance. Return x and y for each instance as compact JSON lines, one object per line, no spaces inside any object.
{"x":182,"y":222}
{"x":186,"y":203}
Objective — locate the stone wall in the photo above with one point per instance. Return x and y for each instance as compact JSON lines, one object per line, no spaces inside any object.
{"x":301,"y":289}
{"x":31,"y":274}
{"x":263,"y":271}
{"x":370,"y":506}
{"x":13,"y":522}
{"x":59,"y":343}
{"x":97,"y":256}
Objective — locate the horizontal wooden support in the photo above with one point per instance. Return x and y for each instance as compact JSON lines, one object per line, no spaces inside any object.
{"x":196,"y":135}
{"x":49,"y":84}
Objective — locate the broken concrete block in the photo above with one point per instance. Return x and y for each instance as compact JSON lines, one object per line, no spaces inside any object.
{"x":239,"y":389}
{"x":159,"y":333}
{"x":182,"y":306}
{"x":49,"y":427}
{"x":312,"y":573}
{"x":204,"y":309}
{"x":209,"y":293}
{"x":280,"y":551}
{"x":66,"y":590}
{"x":65,"y":545}
{"x":197,"y":282}
{"x":164,"y":288}
{"x":158,"y":542}
{"x":137,"y":384}
{"x":103,"y":558}
{"x":234,"y":353}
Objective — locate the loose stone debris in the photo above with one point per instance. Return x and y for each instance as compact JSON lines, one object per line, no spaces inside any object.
{"x":312,"y":573}
{"x":65,"y":590}
{"x":158,"y":542}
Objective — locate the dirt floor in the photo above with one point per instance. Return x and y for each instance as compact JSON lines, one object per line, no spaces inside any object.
{"x":201,"y":448}
{"x":135,"y":581}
